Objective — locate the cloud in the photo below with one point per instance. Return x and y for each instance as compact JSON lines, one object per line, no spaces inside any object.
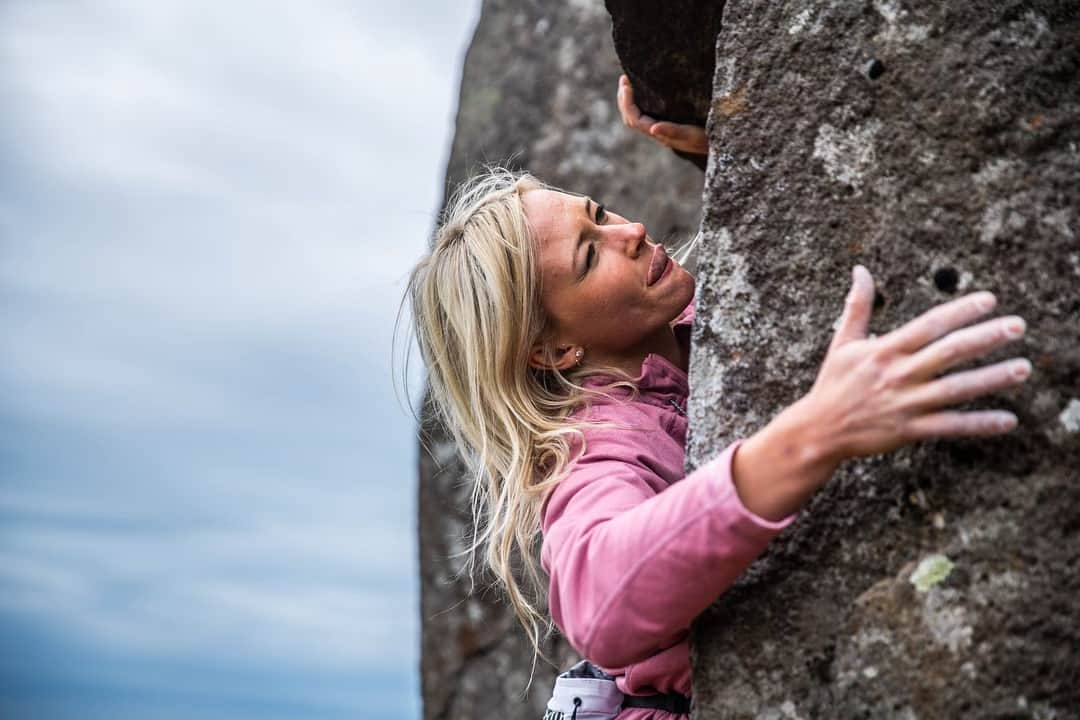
{"x":266,"y":158}
{"x":207,"y":213}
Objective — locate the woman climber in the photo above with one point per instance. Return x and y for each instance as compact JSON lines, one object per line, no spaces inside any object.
{"x":556,"y":337}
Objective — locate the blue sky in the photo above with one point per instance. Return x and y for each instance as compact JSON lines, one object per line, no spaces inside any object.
{"x":207,"y":485}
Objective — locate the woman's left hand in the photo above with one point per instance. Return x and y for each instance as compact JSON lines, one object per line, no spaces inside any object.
{"x":685,"y":138}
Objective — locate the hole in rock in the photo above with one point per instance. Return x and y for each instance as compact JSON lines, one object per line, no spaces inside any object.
{"x":946,"y":279}
{"x":874,"y":69}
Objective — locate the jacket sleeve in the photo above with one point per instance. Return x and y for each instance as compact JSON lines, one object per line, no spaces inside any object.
{"x":631,"y":567}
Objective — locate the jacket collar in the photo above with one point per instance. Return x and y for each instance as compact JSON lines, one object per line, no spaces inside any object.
{"x":659,"y":376}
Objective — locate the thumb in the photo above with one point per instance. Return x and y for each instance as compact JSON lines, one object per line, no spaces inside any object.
{"x":689,"y":138}
{"x":855,"y":319}
{"x":666,"y":129}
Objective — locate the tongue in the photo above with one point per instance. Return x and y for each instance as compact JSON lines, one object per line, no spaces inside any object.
{"x":657,"y":268}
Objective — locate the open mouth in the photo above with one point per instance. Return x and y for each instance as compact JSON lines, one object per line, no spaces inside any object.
{"x":659,"y":263}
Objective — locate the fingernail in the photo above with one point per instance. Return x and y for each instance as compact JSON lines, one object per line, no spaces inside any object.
{"x":985,"y":301}
{"x":1020,"y":369}
{"x":1006,"y":421}
{"x":1015,"y":327}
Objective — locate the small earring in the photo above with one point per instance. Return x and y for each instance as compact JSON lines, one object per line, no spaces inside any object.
{"x":579,"y":354}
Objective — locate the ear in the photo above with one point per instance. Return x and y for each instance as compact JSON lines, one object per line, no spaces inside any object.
{"x":562,"y":357}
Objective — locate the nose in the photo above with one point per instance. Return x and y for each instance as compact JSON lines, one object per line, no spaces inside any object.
{"x":629,"y":236}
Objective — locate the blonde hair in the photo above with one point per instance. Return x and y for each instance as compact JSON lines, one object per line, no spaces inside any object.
{"x":477,"y":314}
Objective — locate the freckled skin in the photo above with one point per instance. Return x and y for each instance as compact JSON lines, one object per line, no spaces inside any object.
{"x":610,"y":312}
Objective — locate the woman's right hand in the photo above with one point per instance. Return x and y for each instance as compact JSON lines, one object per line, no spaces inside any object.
{"x":685,"y":138}
{"x":879,"y":393}
{"x":876,"y":394}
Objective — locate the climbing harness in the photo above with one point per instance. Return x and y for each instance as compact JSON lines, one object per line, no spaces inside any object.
{"x":585,"y":692}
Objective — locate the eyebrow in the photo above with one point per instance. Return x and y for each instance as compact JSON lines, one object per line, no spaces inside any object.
{"x":580,"y":240}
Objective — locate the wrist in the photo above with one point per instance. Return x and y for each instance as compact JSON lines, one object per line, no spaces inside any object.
{"x":812,"y":436}
{"x":781,"y":466}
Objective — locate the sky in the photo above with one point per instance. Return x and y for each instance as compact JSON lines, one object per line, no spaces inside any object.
{"x":208,"y":212}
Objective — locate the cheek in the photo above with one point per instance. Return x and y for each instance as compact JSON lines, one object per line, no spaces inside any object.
{"x":613,"y":295}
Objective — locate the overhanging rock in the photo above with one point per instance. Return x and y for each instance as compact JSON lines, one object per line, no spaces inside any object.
{"x":667,"y":50}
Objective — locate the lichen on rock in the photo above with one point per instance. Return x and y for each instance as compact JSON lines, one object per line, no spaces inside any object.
{"x":930,"y":571}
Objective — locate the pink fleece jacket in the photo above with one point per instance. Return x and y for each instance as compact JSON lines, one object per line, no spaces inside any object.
{"x":634,"y":548}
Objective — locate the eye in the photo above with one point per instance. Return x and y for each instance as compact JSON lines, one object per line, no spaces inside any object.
{"x":590,"y":256}
{"x":601,"y":213}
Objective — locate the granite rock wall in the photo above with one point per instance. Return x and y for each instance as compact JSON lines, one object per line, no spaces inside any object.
{"x":939,"y":145}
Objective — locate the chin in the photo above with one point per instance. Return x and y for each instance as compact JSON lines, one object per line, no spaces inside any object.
{"x":679,"y":300}
{"x":687,"y":285}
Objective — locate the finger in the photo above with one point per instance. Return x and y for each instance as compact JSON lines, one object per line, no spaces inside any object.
{"x":645,"y":123}
{"x":857,"y":308}
{"x":939,"y":321}
{"x":669,"y":131}
{"x":625,"y":99}
{"x":968,"y":385}
{"x":632,"y":116}
{"x":690,"y":138}
{"x":953,"y":423}
{"x":620,"y":99}
{"x":960,"y":346}
{"x":630,"y":112}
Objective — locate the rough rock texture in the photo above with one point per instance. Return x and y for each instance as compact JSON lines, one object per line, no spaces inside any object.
{"x":939,"y":145}
{"x":668,"y":51}
{"x":538,"y":87}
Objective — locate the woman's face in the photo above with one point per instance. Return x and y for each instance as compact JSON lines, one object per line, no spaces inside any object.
{"x":605,"y":286}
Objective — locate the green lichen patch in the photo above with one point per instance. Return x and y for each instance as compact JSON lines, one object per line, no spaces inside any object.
{"x":932,"y":570}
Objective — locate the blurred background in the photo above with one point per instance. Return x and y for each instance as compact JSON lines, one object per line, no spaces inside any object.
{"x":207,"y":485}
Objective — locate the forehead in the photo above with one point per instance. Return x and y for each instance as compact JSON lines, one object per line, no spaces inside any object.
{"x":553,"y":215}
{"x":555,"y":218}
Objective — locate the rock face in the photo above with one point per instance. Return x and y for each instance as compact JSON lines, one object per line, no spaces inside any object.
{"x":939,"y":145}
{"x":539,"y":88}
{"x":668,"y":51}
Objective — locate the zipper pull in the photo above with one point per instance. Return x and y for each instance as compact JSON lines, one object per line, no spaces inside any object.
{"x":677,"y":406}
